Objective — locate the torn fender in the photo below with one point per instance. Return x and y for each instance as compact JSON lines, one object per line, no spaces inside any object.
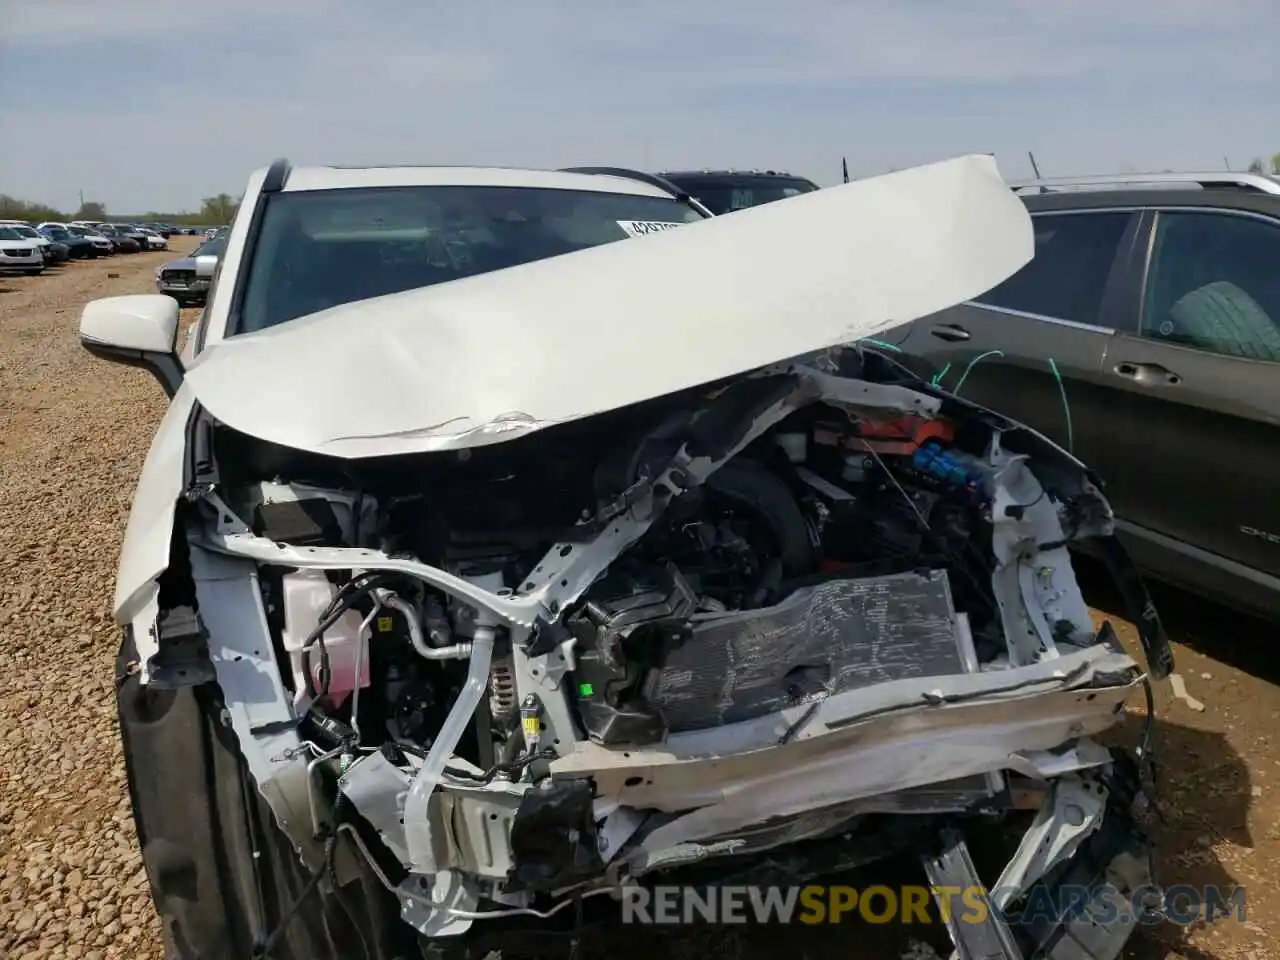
{"x":144,"y":556}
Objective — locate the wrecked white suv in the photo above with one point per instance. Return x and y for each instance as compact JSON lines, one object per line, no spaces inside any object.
{"x":482,"y":564}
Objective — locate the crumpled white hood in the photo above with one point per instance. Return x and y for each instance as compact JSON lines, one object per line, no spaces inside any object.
{"x":495,"y":356}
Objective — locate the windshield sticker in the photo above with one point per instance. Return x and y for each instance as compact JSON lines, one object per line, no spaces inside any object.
{"x":640,"y":228}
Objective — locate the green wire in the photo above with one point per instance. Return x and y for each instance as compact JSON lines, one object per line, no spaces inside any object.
{"x":1057,"y":376}
{"x":1066,"y":407}
{"x":972,"y":363}
{"x":941,"y":374}
{"x":881,"y":343}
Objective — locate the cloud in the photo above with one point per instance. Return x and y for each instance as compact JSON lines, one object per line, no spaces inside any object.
{"x":200,"y":96}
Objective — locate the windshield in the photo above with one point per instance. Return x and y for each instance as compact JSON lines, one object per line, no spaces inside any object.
{"x":58,"y":233}
{"x":723,"y":195}
{"x":24,"y":231}
{"x":9,"y":233}
{"x":210,"y":248}
{"x":81,"y":231}
{"x":324,"y":248}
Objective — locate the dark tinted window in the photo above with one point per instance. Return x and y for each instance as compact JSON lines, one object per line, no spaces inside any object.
{"x":320,"y":249}
{"x":210,"y":248}
{"x":1214,"y":284}
{"x":1068,"y":274}
{"x":727,"y":195}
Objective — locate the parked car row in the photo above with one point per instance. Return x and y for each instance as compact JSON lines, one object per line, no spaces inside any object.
{"x":142,"y":237}
{"x":30,"y":248}
{"x":168,"y":230}
{"x":95,"y":239}
{"x":26,"y":250}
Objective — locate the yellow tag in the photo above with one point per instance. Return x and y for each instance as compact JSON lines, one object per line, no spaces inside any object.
{"x":384,"y":624}
{"x":532,"y":727}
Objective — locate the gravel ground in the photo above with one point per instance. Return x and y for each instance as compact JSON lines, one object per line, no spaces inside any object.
{"x":73,"y":433}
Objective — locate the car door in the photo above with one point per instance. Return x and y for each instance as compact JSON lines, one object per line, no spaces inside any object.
{"x":1032,"y":348}
{"x":1197,"y":379}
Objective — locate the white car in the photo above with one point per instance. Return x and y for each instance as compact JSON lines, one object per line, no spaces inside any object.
{"x":154,"y":240}
{"x":19,"y":253}
{"x":78,"y":228}
{"x":515,"y":537}
{"x":29,"y":233}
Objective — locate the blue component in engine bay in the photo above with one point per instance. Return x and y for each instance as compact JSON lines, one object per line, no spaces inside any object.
{"x":949,"y":466}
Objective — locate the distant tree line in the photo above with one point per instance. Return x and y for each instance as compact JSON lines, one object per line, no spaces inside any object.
{"x":214,"y":211}
{"x":1257,"y":165}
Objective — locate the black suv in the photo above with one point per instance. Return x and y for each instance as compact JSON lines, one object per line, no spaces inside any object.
{"x":724,"y":191}
{"x":1144,"y":336}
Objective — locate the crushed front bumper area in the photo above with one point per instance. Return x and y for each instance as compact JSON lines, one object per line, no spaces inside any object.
{"x":782,"y":804}
{"x":1076,"y":888}
{"x":927,"y":753}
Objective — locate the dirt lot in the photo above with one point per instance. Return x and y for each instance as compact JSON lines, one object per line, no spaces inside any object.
{"x":73,"y":433}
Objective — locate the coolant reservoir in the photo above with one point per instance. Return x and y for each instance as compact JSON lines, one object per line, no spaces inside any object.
{"x":306,"y":594}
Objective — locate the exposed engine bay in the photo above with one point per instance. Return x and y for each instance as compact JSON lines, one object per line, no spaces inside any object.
{"x":727,"y":621}
{"x":807,"y":525}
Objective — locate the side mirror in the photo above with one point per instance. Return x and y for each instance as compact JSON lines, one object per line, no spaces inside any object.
{"x":206,"y":264}
{"x":140,"y":330}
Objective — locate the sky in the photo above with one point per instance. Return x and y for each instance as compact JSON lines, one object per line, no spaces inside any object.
{"x":151,"y":105}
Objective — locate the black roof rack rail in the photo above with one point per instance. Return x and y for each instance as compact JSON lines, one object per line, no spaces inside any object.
{"x":277,"y":176}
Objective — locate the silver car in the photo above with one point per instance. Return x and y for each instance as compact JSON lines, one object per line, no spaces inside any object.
{"x":182,"y":279}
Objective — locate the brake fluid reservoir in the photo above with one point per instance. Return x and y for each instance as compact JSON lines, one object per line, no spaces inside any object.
{"x":306,"y":594}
